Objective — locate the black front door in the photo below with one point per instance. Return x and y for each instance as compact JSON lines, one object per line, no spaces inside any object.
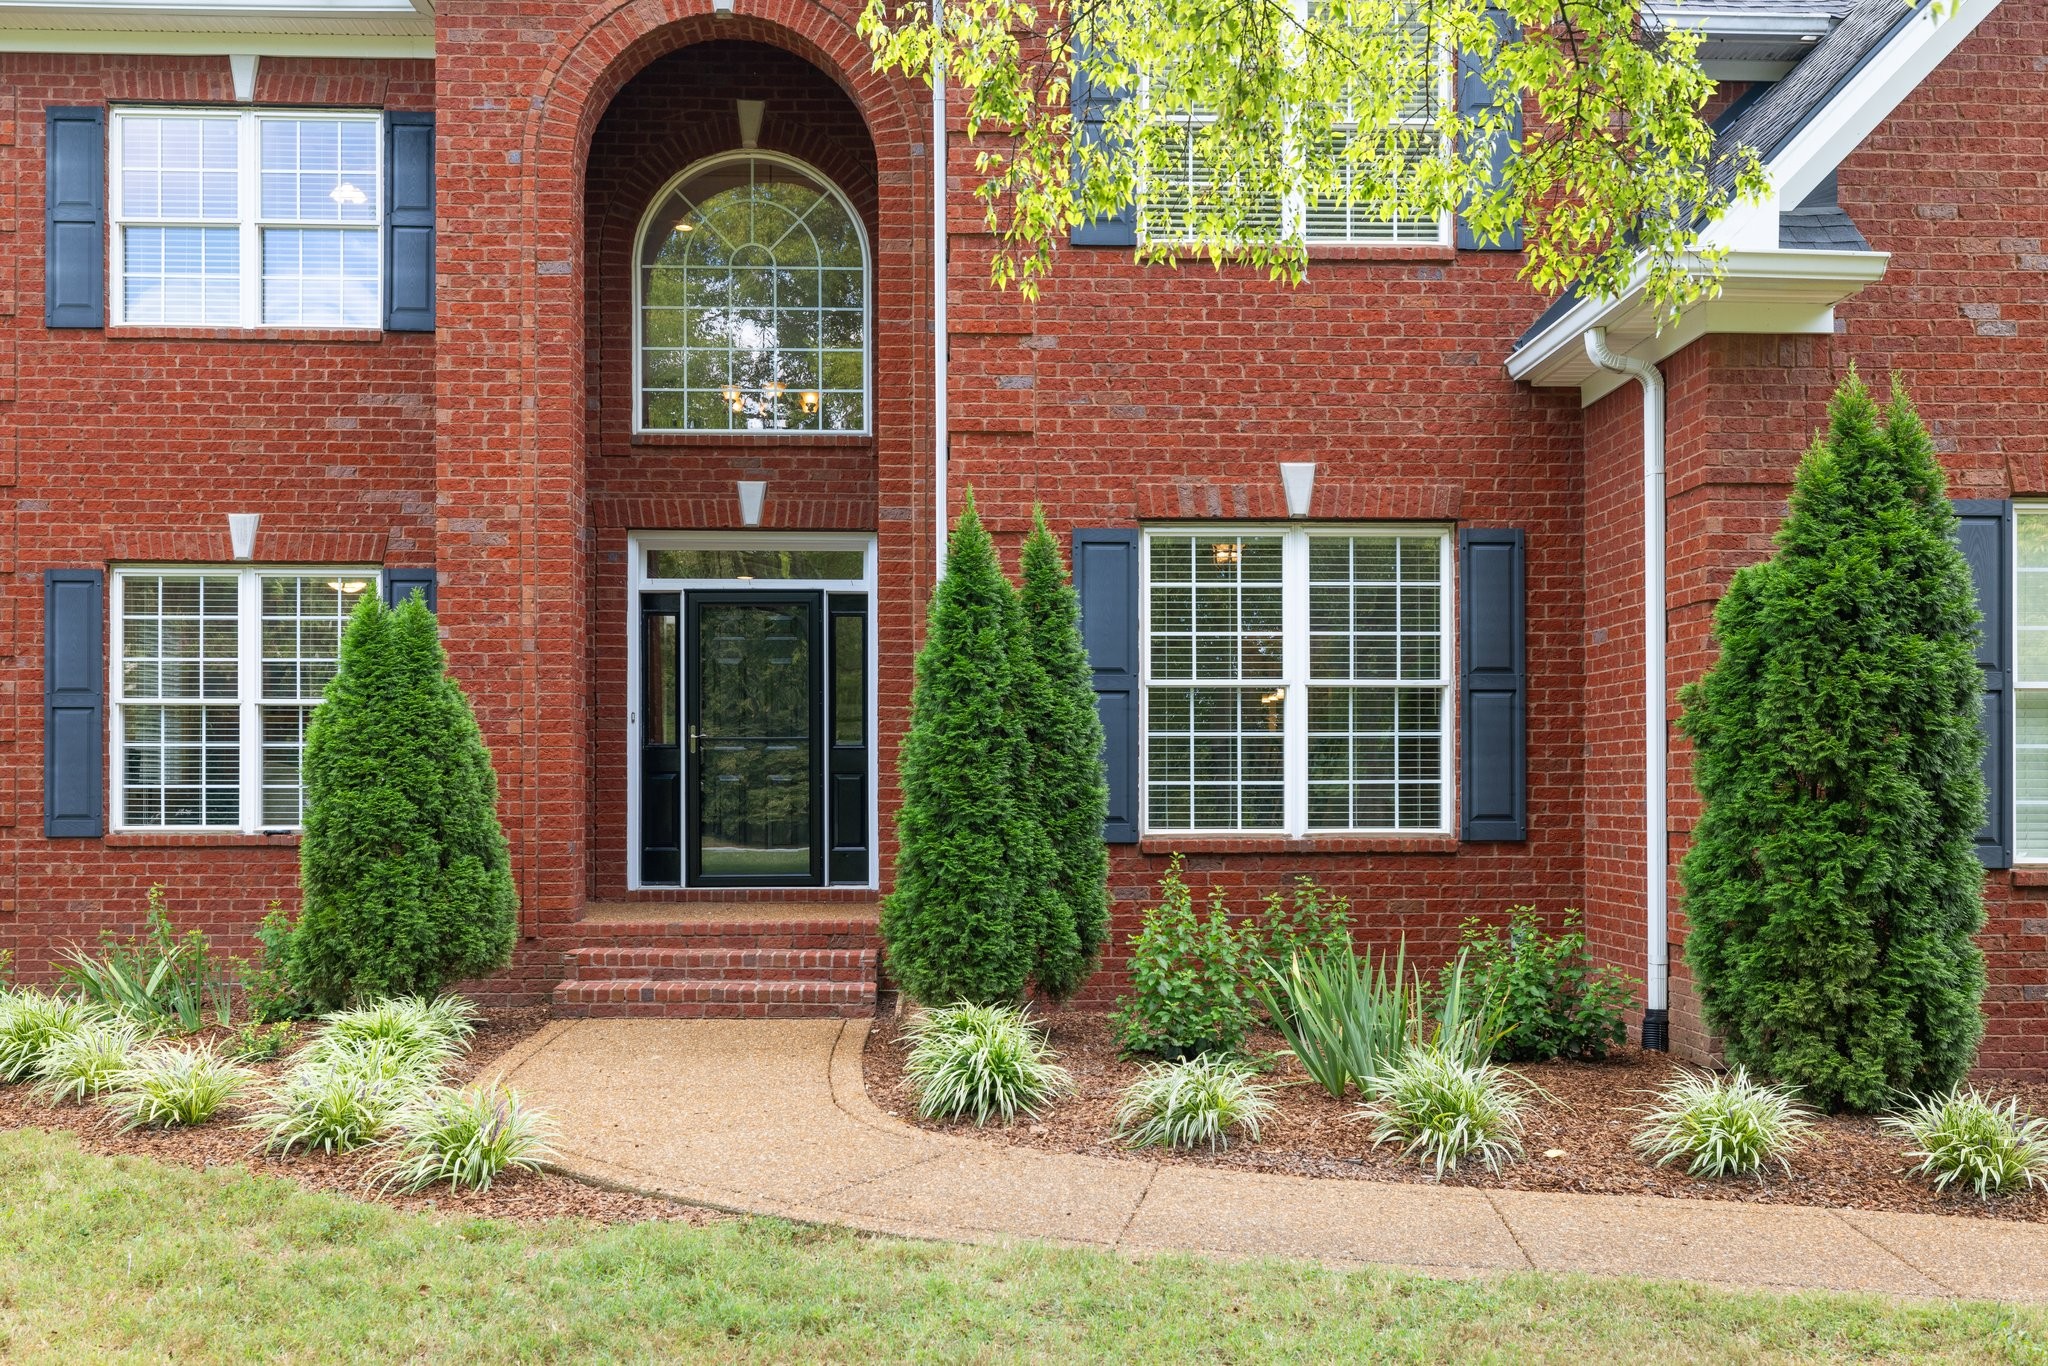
{"x":754,"y":687}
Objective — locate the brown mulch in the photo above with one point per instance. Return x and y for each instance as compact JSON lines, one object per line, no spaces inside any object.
{"x":521,"y":1197}
{"x":1577,"y":1138}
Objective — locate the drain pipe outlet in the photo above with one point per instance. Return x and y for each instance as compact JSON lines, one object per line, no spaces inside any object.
{"x":1656,"y":843}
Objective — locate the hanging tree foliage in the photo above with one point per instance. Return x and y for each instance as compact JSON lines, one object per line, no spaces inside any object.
{"x":1614,"y":172}
{"x":1832,"y":885}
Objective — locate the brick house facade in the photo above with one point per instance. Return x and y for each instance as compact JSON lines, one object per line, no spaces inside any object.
{"x":511,"y":454}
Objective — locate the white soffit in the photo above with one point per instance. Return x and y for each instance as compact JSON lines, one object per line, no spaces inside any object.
{"x":311,"y":28}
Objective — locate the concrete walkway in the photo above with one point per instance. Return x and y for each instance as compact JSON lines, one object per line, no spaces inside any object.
{"x":770,"y":1117}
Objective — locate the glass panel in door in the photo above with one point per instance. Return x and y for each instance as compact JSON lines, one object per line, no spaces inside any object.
{"x":756,"y":704}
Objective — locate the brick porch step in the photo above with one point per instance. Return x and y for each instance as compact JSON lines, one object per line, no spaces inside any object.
{"x":722,"y":964}
{"x":698,"y":998}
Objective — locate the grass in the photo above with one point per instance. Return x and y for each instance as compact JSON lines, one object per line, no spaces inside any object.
{"x":1964,"y":1139}
{"x":169,"y":1085}
{"x":1443,"y":1108}
{"x":981,"y":1062}
{"x":1189,"y":1104}
{"x":468,"y":1138}
{"x":1723,"y":1126}
{"x":127,"y":1260}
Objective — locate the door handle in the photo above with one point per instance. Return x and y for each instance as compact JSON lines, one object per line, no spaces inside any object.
{"x":693,"y":739}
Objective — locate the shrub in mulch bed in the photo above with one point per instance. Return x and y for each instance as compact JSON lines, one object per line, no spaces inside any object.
{"x":1578,"y":1127}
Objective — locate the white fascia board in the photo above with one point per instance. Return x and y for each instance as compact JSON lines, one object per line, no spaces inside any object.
{"x":1756,"y":72}
{"x":201,"y":42}
{"x":1783,"y":292}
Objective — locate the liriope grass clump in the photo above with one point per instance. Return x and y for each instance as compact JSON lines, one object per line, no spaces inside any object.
{"x":1962,"y":1138}
{"x":1444,"y":1107}
{"x":1723,"y":1126}
{"x":981,"y":1062}
{"x":466,"y":1138}
{"x":31,"y":1024}
{"x":1194,"y":1103}
{"x":174,"y":1085}
{"x":424,"y":1031}
{"x":341,"y":1099}
{"x":88,"y":1061}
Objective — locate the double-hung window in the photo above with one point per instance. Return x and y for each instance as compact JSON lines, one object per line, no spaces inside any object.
{"x":1297,"y":681}
{"x":247,"y":219}
{"x":215,"y":674}
{"x":2030,"y":684}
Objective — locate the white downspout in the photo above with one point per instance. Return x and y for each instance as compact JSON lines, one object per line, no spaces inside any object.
{"x":1656,"y":856}
{"x":940,"y":453}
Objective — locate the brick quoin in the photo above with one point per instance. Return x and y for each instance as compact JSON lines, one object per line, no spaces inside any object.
{"x":500,"y":451}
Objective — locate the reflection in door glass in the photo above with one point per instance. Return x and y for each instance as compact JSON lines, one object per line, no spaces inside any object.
{"x":750,"y":565}
{"x":849,"y":679}
{"x":665,"y":700}
{"x":754,"y":742}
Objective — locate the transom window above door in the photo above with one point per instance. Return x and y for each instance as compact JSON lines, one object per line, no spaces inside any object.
{"x":752,"y":285}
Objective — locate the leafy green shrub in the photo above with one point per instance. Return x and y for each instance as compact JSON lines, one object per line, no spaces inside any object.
{"x":1345,"y":1019}
{"x":467,"y":1138}
{"x":1553,"y":1001}
{"x":1310,"y":922}
{"x":1188,"y":990}
{"x":1986,"y":1145}
{"x":982,"y":1062}
{"x":31,"y":1024}
{"x":340,"y":1100}
{"x":421,"y":1033}
{"x":1723,"y":1126}
{"x":161,"y":979}
{"x":407,"y":882}
{"x":267,"y":992}
{"x":1443,"y":1109}
{"x":172,"y":1084}
{"x":254,"y":1042}
{"x":1188,"y":1104}
{"x":1461,"y":1019}
{"x":86,"y":1062}
{"x":1832,"y":884}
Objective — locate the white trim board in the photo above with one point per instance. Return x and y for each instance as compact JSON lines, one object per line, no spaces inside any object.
{"x":318,"y":38}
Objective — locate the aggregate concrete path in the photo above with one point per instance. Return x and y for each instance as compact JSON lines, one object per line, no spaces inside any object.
{"x":771,"y":1117}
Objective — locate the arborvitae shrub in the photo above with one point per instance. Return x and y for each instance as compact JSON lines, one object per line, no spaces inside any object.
{"x":1064,"y":787}
{"x":406,"y":878}
{"x":963,"y":919}
{"x":1832,"y":883}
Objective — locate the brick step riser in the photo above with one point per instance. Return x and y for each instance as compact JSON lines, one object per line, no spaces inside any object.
{"x":804,"y":937}
{"x":726,"y":965}
{"x":710,"y":1010}
{"x":648,"y":991}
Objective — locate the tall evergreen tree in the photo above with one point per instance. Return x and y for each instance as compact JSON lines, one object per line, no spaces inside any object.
{"x":961,"y":922}
{"x":1065,"y":786}
{"x":404,"y":869}
{"x":1832,"y":883}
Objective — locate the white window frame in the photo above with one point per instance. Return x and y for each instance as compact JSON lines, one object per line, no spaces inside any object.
{"x":248,"y":698}
{"x":249,"y":220}
{"x":867,"y":304}
{"x":2019,"y":683}
{"x":638,"y":544}
{"x":1294,"y":676}
{"x":1294,"y":207}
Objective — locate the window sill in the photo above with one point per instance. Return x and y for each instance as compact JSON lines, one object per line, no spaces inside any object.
{"x":1307,"y":844}
{"x":2030,"y":875}
{"x":1348,"y":251}
{"x":841,"y":439}
{"x":196,"y":839}
{"x":352,"y":336}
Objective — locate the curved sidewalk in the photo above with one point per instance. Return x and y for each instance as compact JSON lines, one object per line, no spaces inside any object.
{"x":770,"y":1117}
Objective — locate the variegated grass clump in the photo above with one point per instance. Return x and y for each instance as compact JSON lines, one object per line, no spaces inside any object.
{"x":1964,"y":1138}
{"x":88,"y":1061}
{"x":429,"y":1032}
{"x":1444,"y":1107}
{"x":172,"y":1084}
{"x":982,"y":1062}
{"x":1723,"y":1126}
{"x":31,"y":1024}
{"x":467,"y":1138}
{"x":1193,"y":1103}
{"x":341,"y":1099}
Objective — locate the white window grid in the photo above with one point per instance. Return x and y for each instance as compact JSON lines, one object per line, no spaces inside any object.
{"x":1169,"y":216}
{"x":251,"y":710}
{"x":1285,"y":682}
{"x":685,"y":365}
{"x":254,"y":215}
{"x":2030,"y":683}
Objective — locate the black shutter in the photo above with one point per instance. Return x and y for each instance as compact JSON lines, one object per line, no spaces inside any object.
{"x":1106,"y":579}
{"x":74,"y":703}
{"x":75,"y":218}
{"x":1474,"y":95}
{"x":408,"y":222}
{"x":400,"y":584}
{"x":1985,"y":534}
{"x":1492,"y":686}
{"x":1091,"y":106}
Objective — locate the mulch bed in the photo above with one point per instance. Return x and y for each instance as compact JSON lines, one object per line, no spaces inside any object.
{"x":1577,"y":1138}
{"x":521,"y":1197}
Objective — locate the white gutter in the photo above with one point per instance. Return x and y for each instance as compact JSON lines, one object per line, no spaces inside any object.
{"x":1656,"y":843}
{"x":940,"y":454}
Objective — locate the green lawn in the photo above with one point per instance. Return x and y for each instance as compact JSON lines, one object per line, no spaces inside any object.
{"x":123,"y":1259}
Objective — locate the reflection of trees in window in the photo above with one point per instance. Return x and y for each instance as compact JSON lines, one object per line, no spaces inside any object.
{"x":753,"y":304}
{"x":756,"y":725}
